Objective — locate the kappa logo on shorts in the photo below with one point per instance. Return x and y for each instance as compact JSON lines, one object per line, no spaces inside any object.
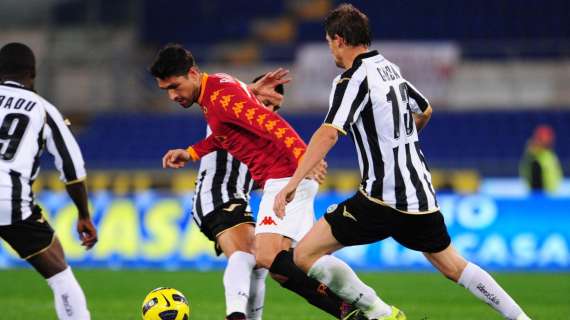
{"x":332,"y":208}
{"x":267,"y":221}
{"x":347,"y":214}
{"x":232,"y":207}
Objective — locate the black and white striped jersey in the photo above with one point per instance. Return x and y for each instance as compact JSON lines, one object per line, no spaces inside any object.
{"x":28,"y":123}
{"x":221,"y":178}
{"x":374,"y":103}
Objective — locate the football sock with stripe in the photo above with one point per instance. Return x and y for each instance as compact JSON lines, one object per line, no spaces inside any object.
{"x":297,"y":281}
{"x":237,"y":281}
{"x":69,"y":299}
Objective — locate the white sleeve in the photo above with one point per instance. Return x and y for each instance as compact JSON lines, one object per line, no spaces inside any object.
{"x":348,"y":97}
{"x":62,"y":145}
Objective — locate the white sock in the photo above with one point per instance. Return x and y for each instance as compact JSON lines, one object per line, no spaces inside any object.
{"x":69,"y":299}
{"x":256,"y":294}
{"x":340,"y":278}
{"x":237,"y":280}
{"x":484,"y":287}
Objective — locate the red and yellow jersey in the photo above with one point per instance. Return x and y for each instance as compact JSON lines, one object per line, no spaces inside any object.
{"x":240,"y":124}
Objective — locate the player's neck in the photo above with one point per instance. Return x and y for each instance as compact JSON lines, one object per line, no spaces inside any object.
{"x":351,"y":55}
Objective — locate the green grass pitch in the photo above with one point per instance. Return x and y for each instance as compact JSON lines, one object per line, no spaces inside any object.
{"x":423,"y":296}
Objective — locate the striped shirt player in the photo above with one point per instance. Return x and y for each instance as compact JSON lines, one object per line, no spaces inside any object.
{"x":221,"y":181}
{"x":374,"y":103}
{"x":383,"y":113}
{"x":28,"y":125}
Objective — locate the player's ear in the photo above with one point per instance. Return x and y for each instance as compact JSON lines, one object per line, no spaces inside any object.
{"x":340,"y":42}
{"x":193,"y":72}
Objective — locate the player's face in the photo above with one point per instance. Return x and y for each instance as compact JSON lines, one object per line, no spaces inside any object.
{"x":334,"y":45}
{"x":183,"y":90}
{"x":269,"y":103}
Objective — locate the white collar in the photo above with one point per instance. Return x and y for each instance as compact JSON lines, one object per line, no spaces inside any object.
{"x":14,"y":83}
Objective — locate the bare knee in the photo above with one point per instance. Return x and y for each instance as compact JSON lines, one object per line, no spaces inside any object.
{"x":452,"y":272}
{"x":51,"y":261}
{"x":264,"y":258}
{"x":240,"y":238}
{"x":303,"y":260}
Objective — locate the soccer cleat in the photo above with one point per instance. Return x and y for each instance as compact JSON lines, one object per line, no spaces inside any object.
{"x":236,"y":316}
{"x":397,"y":314}
{"x":350,"y":312}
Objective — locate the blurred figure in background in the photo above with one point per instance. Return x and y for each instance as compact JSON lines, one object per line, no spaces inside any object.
{"x":540,"y":167}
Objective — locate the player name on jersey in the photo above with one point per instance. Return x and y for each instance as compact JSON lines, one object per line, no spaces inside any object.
{"x":15,"y":103}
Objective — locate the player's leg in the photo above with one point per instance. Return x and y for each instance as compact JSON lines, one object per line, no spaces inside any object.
{"x":34,"y":240}
{"x":274,"y":238}
{"x":256,"y":294}
{"x":313,"y":256}
{"x":480,"y":283}
{"x":231,"y":227}
{"x":70,"y":302}
{"x":273,"y":250}
{"x":237,"y":244}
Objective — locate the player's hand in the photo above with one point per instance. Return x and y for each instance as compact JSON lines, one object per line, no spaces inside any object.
{"x":87,"y":232}
{"x":319,"y":173}
{"x":175,"y":159}
{"x":284,"y":196}
{"x":265,"y":87}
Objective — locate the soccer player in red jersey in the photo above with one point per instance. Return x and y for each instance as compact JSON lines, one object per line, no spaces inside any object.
{"x":269,"y":147}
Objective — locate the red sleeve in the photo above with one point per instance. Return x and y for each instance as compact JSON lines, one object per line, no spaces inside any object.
{"x":236,"y":105}
{"x":203,"y":147}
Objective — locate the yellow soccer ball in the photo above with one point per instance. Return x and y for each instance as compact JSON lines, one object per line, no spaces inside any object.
{"x":165,"y":304}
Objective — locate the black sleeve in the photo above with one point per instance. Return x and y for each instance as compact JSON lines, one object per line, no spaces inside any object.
{"x":415,"y":94}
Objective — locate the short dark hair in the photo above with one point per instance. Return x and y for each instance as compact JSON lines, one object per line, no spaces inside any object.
{"x":172,"y":60}
{"x":17,"y":60}
{"x":280,"y":88}
{"x":349,"y":23}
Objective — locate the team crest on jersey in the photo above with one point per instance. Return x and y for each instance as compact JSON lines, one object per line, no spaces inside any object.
{"x":332,"y":208}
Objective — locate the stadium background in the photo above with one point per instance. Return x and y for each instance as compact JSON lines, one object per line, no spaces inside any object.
{"x":493,"y":71}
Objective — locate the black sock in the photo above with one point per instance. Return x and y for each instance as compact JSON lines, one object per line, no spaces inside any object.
{"x":297,"y":281}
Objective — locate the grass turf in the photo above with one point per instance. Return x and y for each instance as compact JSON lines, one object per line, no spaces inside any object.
{"x":423,"y":296}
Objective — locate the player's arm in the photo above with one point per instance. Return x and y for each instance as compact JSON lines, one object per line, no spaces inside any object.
{"x":177,"y":158}
{"x":348,"y":98}
{"x":87,"y":232}
{"x":420,"y":106}
{"x":69,"y":161}
{"x":422,"y":119}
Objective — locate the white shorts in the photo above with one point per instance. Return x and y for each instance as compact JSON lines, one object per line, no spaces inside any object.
{"x":299,"y":213}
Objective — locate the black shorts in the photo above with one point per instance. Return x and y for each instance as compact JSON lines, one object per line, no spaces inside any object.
{"x":358,"y":220}
{"x":30,"y":236}
{"x":226,"y":216}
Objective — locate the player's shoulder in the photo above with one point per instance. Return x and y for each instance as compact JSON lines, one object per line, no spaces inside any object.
{"x":16,"y":98}
{"x":222,"y":80}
